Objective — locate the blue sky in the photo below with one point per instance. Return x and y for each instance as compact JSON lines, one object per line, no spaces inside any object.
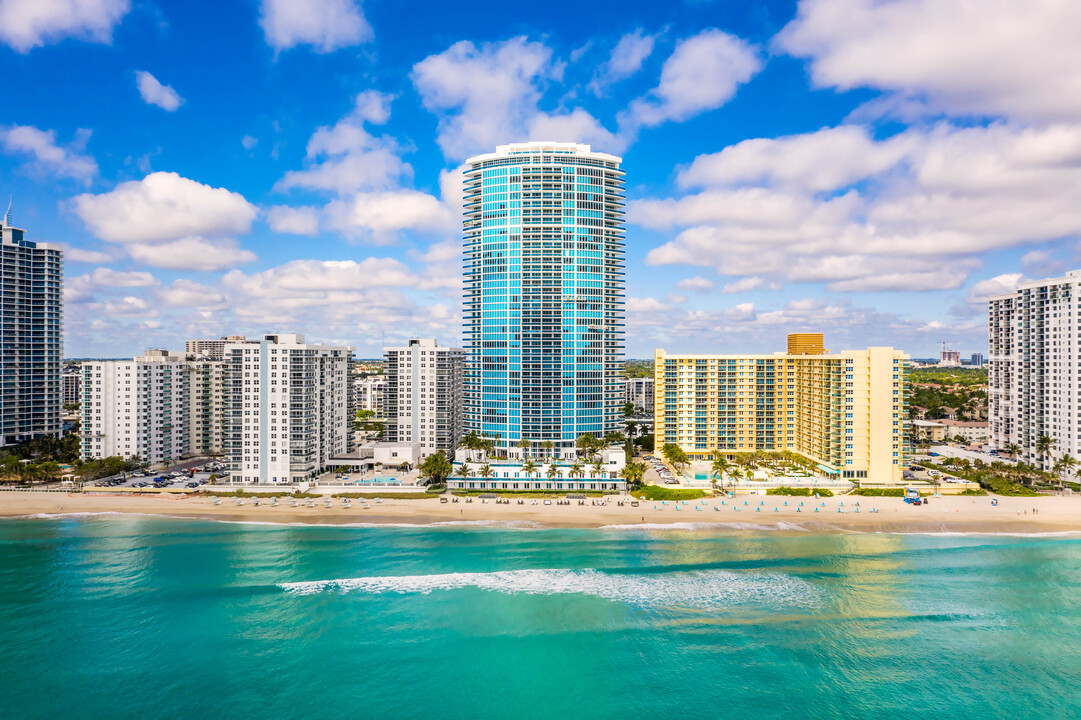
{"x":870,"y":169}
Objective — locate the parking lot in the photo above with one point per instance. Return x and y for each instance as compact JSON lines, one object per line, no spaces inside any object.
{"x":190,"y":475}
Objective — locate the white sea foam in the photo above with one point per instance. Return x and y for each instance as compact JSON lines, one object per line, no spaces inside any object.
{"x":785,"y":526}
{"x":702,"y":589}
{"x":949,"y":533}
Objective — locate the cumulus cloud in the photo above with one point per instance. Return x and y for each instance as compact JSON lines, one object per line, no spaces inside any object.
{"x":489,"y":94}
{"x":26,"y":24}
{"x":47,"y":157}
{"x":154,"y":93}
{"x":626,"y":59}
{"x":249,"y":142}
{"x":748,"y":284}
{"x":293,"y":220}
{"x":325,"y":25}
{"x":696,"y":283}
{"x":192,"y":253}
{"x":379,"y":216}
{"x":909,"y":212}
{"x":84,"y":255}
{"x":347,"y":158}
{"x":997,"y":57}
{"x":982,"y":291}
{"x":164,"y":206}
{"x":703,"y":73}
{"x":184,"y":293}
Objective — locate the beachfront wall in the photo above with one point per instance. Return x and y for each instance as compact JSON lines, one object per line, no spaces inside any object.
{"x":847,"y":412}
{"x":564,"y":485}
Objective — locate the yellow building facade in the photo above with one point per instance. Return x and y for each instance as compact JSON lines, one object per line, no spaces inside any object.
{"x":846,"y":411}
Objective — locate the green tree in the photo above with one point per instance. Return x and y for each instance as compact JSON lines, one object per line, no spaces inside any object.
{"x":548,"y":446}
{"x":554,"y":471}
{"x":628,"y":409}
{"x":437,"y":468}
{"x":1013,"y":450}
{"x":720,"y":466}
{"x":529,"y":468}
{"x":587,"y":444}
{"x":675,"y":455}
{"x":1065,"y":464}
{"x":1045,"y":445}
{"x":525,"y":445}
{"x":633,"y":472}
{"x":575,"y":470}
{"x":485,"y":471}
{"x":632,"y":428}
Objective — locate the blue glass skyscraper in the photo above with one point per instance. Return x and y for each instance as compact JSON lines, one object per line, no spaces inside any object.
{"x":544,"y":258}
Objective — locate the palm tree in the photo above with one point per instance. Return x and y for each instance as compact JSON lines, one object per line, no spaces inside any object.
{"x":554,"y":471}
{"x":524,"y":445}
{"x":587,"y":444}
{"x":633,"y":472}
{"x":485,"y":470}
{"x":467,"y":470}
{"x":548,"y":446}
{"x":632,"y":428}
{"x":1066,"y":463}
{"x":529,"y":468}
{"x":598,"y":468}
{"x":1045,"y":445}
{"x":575,"y":470}
{"x":720,"y":465}
{"x":1013,"y":450}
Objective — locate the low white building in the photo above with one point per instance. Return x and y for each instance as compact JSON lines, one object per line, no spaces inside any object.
{"x":286,"y":408}
{"x":601,"y":474}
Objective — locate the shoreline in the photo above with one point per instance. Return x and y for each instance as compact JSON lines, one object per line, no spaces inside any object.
{"x":970,"y":515}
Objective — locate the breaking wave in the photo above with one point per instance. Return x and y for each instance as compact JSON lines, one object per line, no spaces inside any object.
{"x":785,"y":526}
{"x":699,"y":589}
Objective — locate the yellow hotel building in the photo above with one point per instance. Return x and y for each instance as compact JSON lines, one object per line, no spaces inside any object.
{"x":845,"y":411}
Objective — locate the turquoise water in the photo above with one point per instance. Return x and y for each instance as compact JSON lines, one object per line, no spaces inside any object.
{"x":130,"y":617}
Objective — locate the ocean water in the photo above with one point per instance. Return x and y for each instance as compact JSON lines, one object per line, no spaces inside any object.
{"x":138,"y":617}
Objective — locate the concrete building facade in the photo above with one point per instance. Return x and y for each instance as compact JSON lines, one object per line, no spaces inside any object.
{"x":1034,"y":366}
{"x":544,"y":260}
{"x":31,"y":336}
{"x":846,"y":411}
{"x":422,"y":395}
{"x":285,"y":404}
{"x":212,"y":349}
{"x":639,"y":392}
{"x":368,"y":394}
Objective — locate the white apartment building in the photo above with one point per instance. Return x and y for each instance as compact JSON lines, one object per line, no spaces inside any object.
{"x":368,"y":393}
{"x":286,"y":408}
{"x":140,"y":407}
{"x":423,"y":395}
{"x":639,"y":392}
{"x":1034,"y":364}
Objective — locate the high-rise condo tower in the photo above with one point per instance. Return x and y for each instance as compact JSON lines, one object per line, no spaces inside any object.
{"x":544,"y":311}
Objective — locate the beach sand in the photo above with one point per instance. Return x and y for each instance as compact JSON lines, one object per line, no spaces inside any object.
{"x":948,"y":514}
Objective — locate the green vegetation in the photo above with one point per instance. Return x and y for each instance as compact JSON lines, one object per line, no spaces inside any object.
{"x":970,"y":491}
{"x":674,"y":455}
{"x":936,"y":388}
{"x":879,"y":492}
{"x":638,"y":369}
{"x":633,"y":472}
{"x":1000,"y":478}
{"x":656,"y":492}
{"x":437,"y":468}
{"x":800,"y":492}
{"x":365,"y":421}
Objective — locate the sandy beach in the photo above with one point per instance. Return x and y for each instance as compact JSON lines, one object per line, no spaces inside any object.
{"x":948,"y":514}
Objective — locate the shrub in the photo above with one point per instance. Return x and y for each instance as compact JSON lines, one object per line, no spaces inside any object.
{"x":879,"y":492}
{"x":800,"y":492}
{"x":656,"y":492}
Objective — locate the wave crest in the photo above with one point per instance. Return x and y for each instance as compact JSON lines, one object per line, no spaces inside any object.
{"x":700,"y":589}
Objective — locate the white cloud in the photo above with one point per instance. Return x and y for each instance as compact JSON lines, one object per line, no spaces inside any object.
{"x":317,"y":277}
{"x":183,"y":293}
{"x":379,"y":216}
{"x":906,"y":213}
{"x":702,"y":74}
{"x":86,"y":256}
{"x":249,"y":142}
{"x":293,"y":220}
{"x":192,"y":253}
{"x":696,"y":283}
{"x":995,"y":57}
{"x":982,"y":291}
{"x":154,"y":93}
{"x":164,"y":206}
{"x":373,"y":106}
{"x":48,"y":157}
{"x":626,"y":59}
{"x":326,"y":25}
{"x":483,"y":95}
{"x":107,"y":277}
{"x":26,"y":24}
{"x":346,"y":158}
{"x":575,"y":126}
{"x":748,"y":284}
{"x":829,"y":159}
